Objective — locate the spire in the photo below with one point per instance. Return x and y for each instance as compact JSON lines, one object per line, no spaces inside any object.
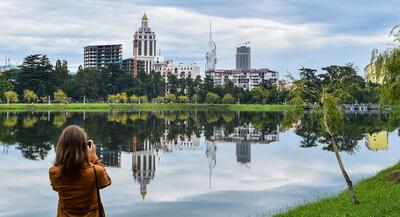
{"x":145,"y":17}
{"x":210,"y":31}
{"x":143,"y":193}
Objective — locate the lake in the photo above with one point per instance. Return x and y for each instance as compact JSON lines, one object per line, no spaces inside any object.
{"x":193,"y":163}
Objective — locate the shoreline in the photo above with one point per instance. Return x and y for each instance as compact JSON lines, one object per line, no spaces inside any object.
{"x":377,"y":194}
{"x":21,"y":107}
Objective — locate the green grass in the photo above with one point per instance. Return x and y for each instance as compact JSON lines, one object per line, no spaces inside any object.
{"x":377,"y":198}
{"x":143,"y":107}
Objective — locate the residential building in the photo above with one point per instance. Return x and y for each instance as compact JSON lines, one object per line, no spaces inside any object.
{"x":243,"y":58}
{"x":98,"y":56}
{"x":246,"y":79}
{"x":128,"y":65}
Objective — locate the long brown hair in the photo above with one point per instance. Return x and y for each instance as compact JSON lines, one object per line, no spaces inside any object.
{"x":72,"y":152}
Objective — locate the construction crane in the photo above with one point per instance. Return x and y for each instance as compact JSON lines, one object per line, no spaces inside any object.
{"x":244,"y":43}
{"x":135,"y":58}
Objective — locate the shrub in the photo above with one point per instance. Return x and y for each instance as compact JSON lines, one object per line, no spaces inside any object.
{"x":159,"y":99}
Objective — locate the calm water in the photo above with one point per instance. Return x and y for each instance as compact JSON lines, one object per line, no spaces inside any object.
{"x":192,"y":163}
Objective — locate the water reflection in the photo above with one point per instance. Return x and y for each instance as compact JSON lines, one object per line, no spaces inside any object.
{"x":148,"y":134}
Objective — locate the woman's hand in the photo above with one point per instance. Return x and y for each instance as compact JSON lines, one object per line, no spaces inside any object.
{"x":92,"y":151}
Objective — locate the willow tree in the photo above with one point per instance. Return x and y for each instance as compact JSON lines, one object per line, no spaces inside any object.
{"x":385,"y":68}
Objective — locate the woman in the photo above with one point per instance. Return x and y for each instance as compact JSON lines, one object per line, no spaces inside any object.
{"x":74,"y":174}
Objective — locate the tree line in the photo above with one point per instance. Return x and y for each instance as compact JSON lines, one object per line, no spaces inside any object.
{"x":37,"y":80}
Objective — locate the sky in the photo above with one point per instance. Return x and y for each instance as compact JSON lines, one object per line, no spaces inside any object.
{"x":284,"y":35}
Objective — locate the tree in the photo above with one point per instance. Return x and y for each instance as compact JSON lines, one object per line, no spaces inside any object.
{"x":134,"y":99}
{"x":11,"y":96}
{"x":122,"y":97}
{"x":195,"y":98}
{"x":259,"y":95}
{"x":37,"y":75}
{"x":183,"y":99}
{"x":170,"y":98}
{"x":212,"y":98}
{"x":228,"y":99}
{"x":59,"y":96}
{"x":5,"y":85}
{"x":159,"y":99}
{"x":144,"y":99}
{"x":30,"y":96}
{"x":112,"y":98}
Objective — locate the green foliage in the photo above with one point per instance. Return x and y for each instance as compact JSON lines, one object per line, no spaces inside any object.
{"x":60,"y":96}
{"x":143,"y":99}
{"x":386,"y":67}
{"x":11,"y":96}
{"x":170,"y":98}
{"x":122,"y":97}
{"x":183,"y":99}
{"x":134,"y":99}
{"x":259,"y":95}
{"x":212,"y":98}
{"x":159,"y":99}
{"x":195,"y":98}
{"x":30,"y":96}
{"x":228,"y":99}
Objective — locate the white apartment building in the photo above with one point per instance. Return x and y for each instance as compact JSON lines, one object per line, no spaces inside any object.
{"x":246,"y":79}
{"x":166,"y":68}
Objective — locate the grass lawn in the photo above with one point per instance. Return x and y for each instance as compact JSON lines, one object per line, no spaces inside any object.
{"x":377,"y":198}
{"x":146,"y":106}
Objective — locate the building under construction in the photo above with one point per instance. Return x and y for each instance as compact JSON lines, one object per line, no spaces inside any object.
{"x":98,"y":56}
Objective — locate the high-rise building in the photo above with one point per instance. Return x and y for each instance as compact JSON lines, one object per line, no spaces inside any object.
{"x":146,"y":44}
{"x":97,"y":56}
{"x":243,"y":58}
{"x":128,"y":65}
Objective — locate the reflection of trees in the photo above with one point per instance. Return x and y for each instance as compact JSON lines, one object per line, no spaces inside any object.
{"x":59,"y":120}
{"x":312,"y":133}
{"x":29,"y":121}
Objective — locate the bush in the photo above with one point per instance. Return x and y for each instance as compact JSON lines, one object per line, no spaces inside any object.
{"x":30,"y":96}
{"x":212,"y":98}
{"x":170,"y":98}
{"x":228,"y":99}
{"x":183,"y":99}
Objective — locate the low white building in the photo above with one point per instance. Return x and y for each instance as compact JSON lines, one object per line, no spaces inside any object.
{"x":246,"y":79}
{"x":166,"y":68}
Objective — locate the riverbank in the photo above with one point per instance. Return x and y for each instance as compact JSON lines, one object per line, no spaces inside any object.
{"x":377,"y":196}
{"x":143,"y":107}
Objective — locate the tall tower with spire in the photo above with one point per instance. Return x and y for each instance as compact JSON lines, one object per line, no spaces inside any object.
{"x":211,"y":56}
{"x":146,"y":44}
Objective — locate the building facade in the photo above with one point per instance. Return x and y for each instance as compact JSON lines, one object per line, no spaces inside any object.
{"x":146,"y":44}
{"x":243,"y":58}
{"x":129,"y":64}
{"x":166,"y":68}
{"x":98,"y":56}
{"x":246,"y":79}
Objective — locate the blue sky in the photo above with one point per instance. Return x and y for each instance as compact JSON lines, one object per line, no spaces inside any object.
{"x":284,"y":35}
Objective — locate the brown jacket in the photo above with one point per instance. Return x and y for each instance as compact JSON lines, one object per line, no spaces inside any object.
{"x":78,"y":196}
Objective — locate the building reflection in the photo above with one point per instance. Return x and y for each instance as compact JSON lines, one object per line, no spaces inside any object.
{"x":377,"y":141}
{"x":211,"y":154}
{"x":143,"y":164}
{"x":244,"y":136}
{"x":110,"y":158}
{"x":243,"y":153}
